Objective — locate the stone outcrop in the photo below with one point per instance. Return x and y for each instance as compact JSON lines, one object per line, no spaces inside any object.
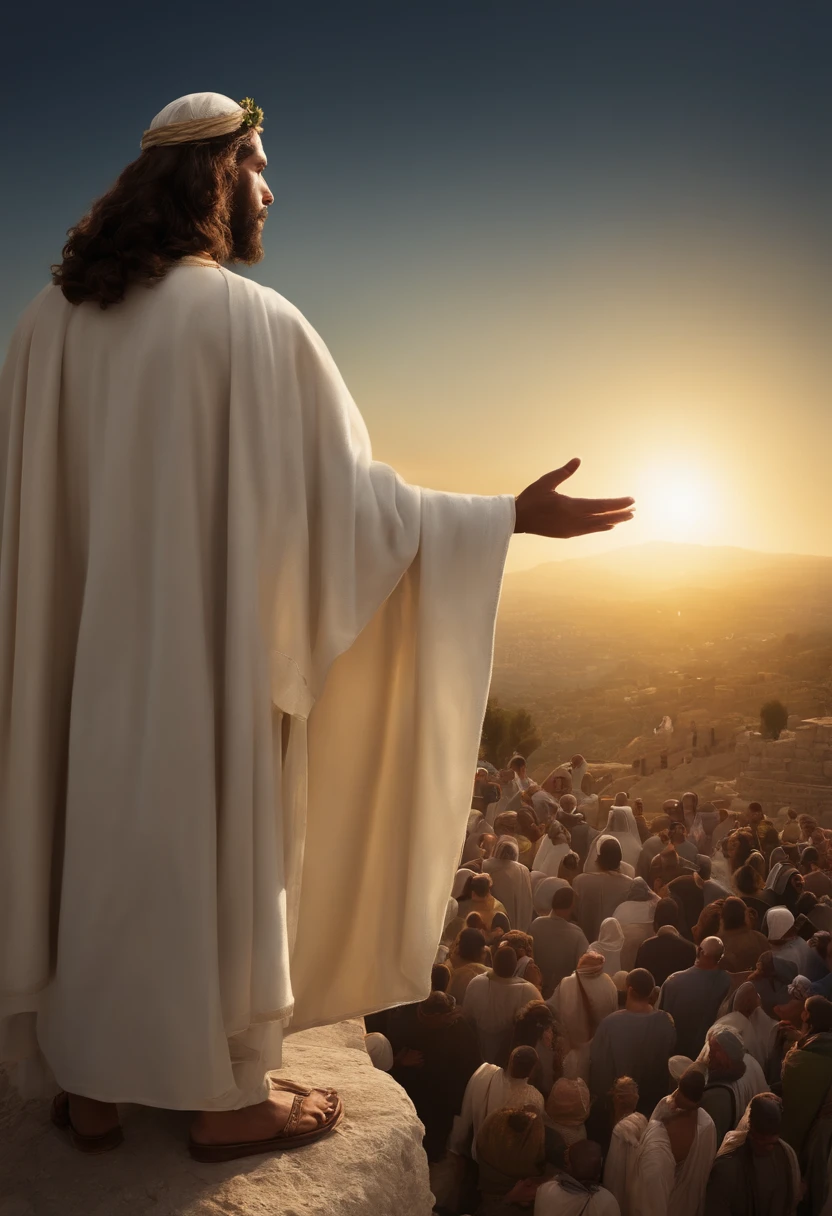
{"x":373,"y":1165}
{"x":794,"y":770}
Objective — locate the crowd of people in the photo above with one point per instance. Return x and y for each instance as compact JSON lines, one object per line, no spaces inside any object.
{"x":632,"y":1020}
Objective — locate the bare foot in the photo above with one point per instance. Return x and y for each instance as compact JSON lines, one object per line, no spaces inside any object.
{"x":264,"y":1120}
{"x":91,"y":1118}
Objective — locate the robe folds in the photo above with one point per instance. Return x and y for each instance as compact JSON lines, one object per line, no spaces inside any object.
{"x":243,"y":672}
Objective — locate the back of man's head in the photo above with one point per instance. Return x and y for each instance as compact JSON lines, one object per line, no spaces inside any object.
{"x":734,"y":912}
{"x":522,"y":1063}
{"x":692,"y":1085}
{"x":471,"y":945}
{"x":818,"y":1014}
{"x":583,"y":1161}
{"x":609,"y":854}
{"x":518,"y":763}
{"x":703,"y":866}
{"x":481,"y":885}
{"x":440,"y":977}
{"x":641,"y":983}
{"x":765,"y":1115}
{"x":666,"y":913}
{"x":711,"y":950}
{"x":568,"y":803}
{"x":505,"y":962}
{"x":808,"y":858}
{"x":563,"y":900}
{"x":621,"y":799}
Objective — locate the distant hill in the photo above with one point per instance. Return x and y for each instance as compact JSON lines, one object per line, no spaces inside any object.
{"x":643,"y":570}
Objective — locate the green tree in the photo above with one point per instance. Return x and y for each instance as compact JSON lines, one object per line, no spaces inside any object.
{"x":773,"y":719}
{"x":506,"y":731}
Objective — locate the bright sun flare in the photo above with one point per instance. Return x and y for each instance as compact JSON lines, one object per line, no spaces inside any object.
{"x":677,"y":503}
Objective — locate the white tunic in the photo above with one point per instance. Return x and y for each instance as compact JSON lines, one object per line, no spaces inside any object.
{"x":216,"y":609}
{"x":663,"y":1188}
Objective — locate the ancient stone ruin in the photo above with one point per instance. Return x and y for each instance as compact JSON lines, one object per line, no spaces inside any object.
{"x":794,"y":770}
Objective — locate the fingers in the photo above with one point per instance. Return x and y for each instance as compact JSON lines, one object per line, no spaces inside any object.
{"x":599,"y":506}
{"x":559,"y":476}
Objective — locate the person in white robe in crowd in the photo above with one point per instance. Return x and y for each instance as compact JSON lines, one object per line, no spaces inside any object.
{"x":600,"y":892}
{"x":635,"y":916}
{"x":542,"y":891}
{"x":676,"y":1153}
{"x":491,"y":1002}
{"x":580,"y":1003}
{"x":747,"y":1017}
{"x":552,"y":849}
{"x":609,"y":945}
{"x":576,"y":1190}
{"x":511,"y":882}
{"x":199,"y":549}
{"x":510,"y":795}
{"x":544,"y":805}
{"x":621,"y":823}
{"x":494,"y":1088}
{"x":578,"y":768}
{"x":518,"y":766}
{"x":628,"y":1129}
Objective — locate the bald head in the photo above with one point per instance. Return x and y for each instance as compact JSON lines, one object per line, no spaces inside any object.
{"x":710,"y":952}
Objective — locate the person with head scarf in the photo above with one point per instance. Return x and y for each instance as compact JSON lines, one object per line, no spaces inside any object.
{"x":621,"y":825}
{"x":523,"y":946}
{"x":511,"y":883}
{"x":570,"y":868}
{"x":676,"y":1153}
{"x":491,"y":1002}
{"x":553,"y":848}
{"x":628,"y":1128}
{"x":567,"y":1108}
{"x":755,"y":1171}
{"x":599,"y":893}
{"x":771,"y":978}
{"x":558,"y":942}
{"x":574,"y":821}
{"x":748,"y":1019}
{"x":664,"y":867}
{"x":435,"y":1055}
{"x":636,"y":1041}
{"x":543,"y":888}
{"x":732,"y":1079}
{"x":492,"y":1088}
{"x":609,"y":945}
{"x":667,"y":951}
{"x":635,"y":916}
{"x":580,"y":1003}
{"x":785,"y":882}
{"x":783,"y":940}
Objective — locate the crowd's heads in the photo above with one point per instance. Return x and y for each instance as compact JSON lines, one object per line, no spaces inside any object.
{"x":708,"y":923}
{"x":499,"y":923}
{"x":522,"y":1062}
{"x":471,"y":945}
{"x":671,"y":809}
{"x":504,"y":962}
{"x":690,"y":801}
{"x":746,"y":999}
{"x":568,"y":804}
{"x":810,"y":857}
{"x":609,"y":854}
{"x":641,"y":983}
{"x":624,"y":1094}
{"x":765,"y":1119}
{"x":440,"y":977}
{"x":520,"y":942}
{"x":481,"y":886}
{"x":779,"y":924}
{"x":725,"y":1050}
{"x":558,"y":834}
{"x":817,"y":1014}
{"x":506,"y":850}
{"x":532,"y":1022}
{"x":584,"y":1160}
{"x":474,"y":921}
{"x":734,"y":913}
{"x":621,"y":799}
{"x":690,"y":1089}
{"x":666,"y":913}
{"x":518,"y":765}
{"x":569,"y":867}
{"x":738,"y":847}
{"x":505,"y":824}
{"x":754,"y":812}
{"x":486,"y":842}
{"x":710,"y":951}
{"x":805,"y":905}
{"x":563,"y":900}
{"x":703,"y":866}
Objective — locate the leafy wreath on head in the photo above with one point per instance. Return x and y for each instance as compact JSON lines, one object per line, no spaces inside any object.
{"x":252,"y":113}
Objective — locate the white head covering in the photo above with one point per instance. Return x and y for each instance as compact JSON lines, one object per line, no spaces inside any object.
{"x":460,"y":879}
{"x":379,"y":1050}
{"x":199,"y":116}
{"x":678,"y":1066}
{"x":778,"y":923}
{"x":543,"y":892}
{"x":609,"y":943}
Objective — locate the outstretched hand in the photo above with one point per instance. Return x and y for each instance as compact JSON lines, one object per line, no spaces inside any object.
{"x":542,"y":511}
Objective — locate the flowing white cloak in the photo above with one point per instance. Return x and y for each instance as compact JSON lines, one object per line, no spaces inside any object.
{"x":548,"y":857}
{"x":553,"y":1200}
{"x":620,"y":1165}
{"x":217,"y":615}
{"x":660,"y":1189}
{"x":512,"y":885}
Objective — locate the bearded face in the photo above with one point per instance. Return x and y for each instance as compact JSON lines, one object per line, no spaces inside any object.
{"x":248,"y":215}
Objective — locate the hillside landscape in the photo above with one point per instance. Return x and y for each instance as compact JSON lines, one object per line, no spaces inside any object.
{"x":599,"y":649}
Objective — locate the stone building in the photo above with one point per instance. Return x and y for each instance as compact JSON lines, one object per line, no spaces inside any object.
{"x":794,"y":770}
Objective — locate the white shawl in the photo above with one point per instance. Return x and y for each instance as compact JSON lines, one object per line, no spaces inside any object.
{"x":216,"y":609}
{"x":663,"y":1189}
{"x":620,"y":1165}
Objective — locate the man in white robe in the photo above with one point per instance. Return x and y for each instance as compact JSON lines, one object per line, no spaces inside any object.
{"x":628,"y":1129}
{"x":676,"y":1153}
{"x":493,"y":1088}
{"x":575,"y":1191}
{"x":492,"y":1001}
{"x":213,"y":604}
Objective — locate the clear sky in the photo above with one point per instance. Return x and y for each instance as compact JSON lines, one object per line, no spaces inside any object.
{"x":527,"y":229}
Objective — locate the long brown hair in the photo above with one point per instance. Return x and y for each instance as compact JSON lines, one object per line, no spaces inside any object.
{"x":171,"y":201}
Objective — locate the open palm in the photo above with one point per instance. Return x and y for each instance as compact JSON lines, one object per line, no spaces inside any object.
{"x":543,"y":511}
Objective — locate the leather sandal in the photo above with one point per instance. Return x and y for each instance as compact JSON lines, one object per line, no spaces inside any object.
{"x":59,"y":1115}
{"x":285,"y":1139}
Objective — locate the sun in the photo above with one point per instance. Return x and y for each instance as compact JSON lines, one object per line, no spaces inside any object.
{"x":677,"y":502}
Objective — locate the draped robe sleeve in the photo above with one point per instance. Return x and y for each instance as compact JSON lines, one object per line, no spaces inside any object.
{"x":243,"y":672}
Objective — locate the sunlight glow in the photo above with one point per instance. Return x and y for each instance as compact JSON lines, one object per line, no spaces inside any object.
{"x":678,"y":503}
